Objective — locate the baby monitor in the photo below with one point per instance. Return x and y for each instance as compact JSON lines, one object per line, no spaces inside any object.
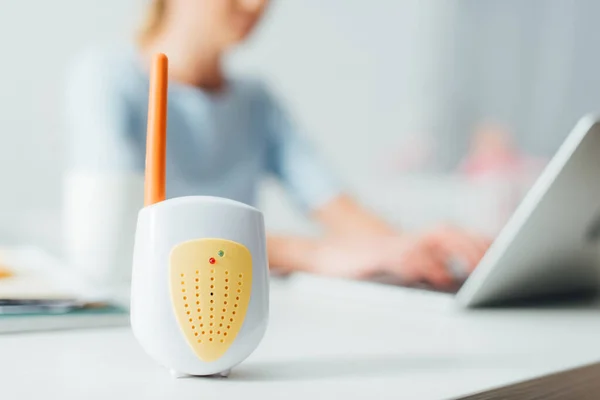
{"x":199,"y":299}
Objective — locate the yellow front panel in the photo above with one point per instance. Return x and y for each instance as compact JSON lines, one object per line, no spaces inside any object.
{"x":210,"y":281}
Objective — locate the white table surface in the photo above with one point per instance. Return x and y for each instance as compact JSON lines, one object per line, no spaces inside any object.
{"x":326,"y":339}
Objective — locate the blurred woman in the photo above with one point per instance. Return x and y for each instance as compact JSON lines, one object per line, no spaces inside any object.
{"x":226,"y":133}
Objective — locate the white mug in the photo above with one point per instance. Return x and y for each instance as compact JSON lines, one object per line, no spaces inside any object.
{"x":100,"y":213}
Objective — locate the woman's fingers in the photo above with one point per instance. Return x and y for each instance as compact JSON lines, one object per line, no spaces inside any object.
{"x":457,"y":244}
{"x":437,"y":275}
{"x":427,"y":258}
{"x":483,"y":244}
{"x":426,"y":265}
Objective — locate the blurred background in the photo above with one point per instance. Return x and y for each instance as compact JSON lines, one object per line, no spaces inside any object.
{"x":396,"y":94}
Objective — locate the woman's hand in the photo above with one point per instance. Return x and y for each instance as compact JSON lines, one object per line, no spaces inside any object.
{"x":362,"y":246}
{"x":409,"y":259}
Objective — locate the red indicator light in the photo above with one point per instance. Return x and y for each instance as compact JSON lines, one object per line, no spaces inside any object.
{"x":211,"y":260}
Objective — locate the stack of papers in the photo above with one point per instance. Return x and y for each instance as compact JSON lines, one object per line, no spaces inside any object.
{"x":37,"y":292}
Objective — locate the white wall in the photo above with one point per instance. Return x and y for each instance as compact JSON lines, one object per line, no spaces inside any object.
{"x":37,"y":39}
{"x":357,"y":74}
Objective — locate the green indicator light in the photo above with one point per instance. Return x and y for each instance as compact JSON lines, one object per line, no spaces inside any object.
{"x":221,"y":253}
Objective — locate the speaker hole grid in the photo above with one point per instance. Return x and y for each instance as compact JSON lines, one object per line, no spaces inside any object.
{"x":210,"y":312}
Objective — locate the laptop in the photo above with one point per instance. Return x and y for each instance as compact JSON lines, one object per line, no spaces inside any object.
{"x":551,"y":244}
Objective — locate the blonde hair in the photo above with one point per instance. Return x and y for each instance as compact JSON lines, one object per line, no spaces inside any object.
{"x":153,"y":20}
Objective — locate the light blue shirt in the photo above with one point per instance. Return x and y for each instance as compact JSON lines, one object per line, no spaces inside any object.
{"x":219,"y":144}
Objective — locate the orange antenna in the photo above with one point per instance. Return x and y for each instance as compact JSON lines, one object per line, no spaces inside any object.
{"x":156,"y":136}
